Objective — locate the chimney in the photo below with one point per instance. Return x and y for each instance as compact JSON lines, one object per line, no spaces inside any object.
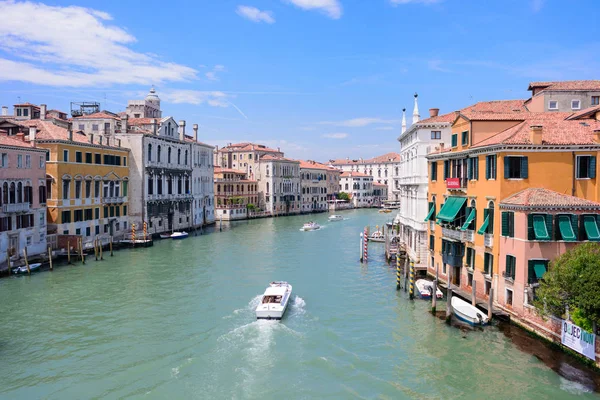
{"x":70,"y":131}
{"x":433,"y":112}
{"x":441,"y":146}
{"x":195,"y":127}
{"x":182,"y":130}
{"x":278,"y":149}
{"x":4,"y":111}
{"x":91,"y":138}
{"x":124,"y":119}
{"x":597,"y":116}
{"x":43,"y":109}
{"x":154,"y":126}
{"x":535,"y":134}
{"x":20,"y":136}
{"x":32,"y":131}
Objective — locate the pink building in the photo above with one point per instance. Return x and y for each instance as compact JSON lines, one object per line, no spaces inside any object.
{"x":22,"y":198}
{"x":538,"y":225}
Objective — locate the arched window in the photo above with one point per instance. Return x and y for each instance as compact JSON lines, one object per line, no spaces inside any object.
{"x":13,"y":193}
{"x":19,"y":192}
{"x":169,"y":156}
{"x":186,"y":154}
{"x":490,"y":214}
{"x":111,"y":186}
{"x":178,"y":156}
{"x":158,"y":153}
{"x":5,"y":193}
{"x":396,"y":171}
{"x":150,"y":152}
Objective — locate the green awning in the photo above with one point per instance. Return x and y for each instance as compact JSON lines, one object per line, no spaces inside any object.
{"x":540,"y":268}
{"x":431,"y":210}
{"x":483,"y":228}
{"x":470,"y":219}
{"x":566,"y":229}
{"x":591,"y":227}
{"x":450,"y":208}
{"x":539,"y":228}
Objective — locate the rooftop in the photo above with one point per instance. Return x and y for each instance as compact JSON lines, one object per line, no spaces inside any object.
{"x":270,"y":157}
{"x":309,"y":164}
{"x":388,"y":157}
{"x":449,"y":117}
{"x":247,"y":146}
{"x":566,"y":85}
{"x":12,"y":141}
{"x":220,"y":170}
{"x":544,"y":198}
{"x":348,"y":174}
{"x":98,"y":115}
{"x":48,"y":130}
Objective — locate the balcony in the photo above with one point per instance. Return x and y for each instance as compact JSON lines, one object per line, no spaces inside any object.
{"x":114,"y":200}
{"x":508,"y":277}
{"x":456,"y":183}
{"x":470,"y":236}
{"x":454,"y":234}
{"x":432,"y":226}
{"x":488,"y":240}
{"x":15,"y":208}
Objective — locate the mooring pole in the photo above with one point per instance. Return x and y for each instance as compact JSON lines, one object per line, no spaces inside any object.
{"x":69,"y":251}
{"x":398,"y":272}
{"x":110,"y":244}
{"x":473,"y":292}
{"x":26,"y":260}
{"x":411,"y":292}
{"x":50,"y":257}
{"x":490,"y":303}
{"x":434,"y":296}
{"x":360,"y":248}
{"x":449,"y":297}
{"x":405,"y":272}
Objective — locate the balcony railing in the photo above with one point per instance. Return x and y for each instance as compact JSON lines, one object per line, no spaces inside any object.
{"x":113,"y":200}
{"x":454,"y":234}
{"x":15,"y":208}
{"x":488,"y":240}
{"x":456,"y":183}
{"x":470,"y":236}
{"x":432,"y":226}
{"x":508,"y":277}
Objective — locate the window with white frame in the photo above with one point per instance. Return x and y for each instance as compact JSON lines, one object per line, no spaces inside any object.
{"x":575,"y":104}
{"x":27,"y":161}
{"x":553,"y":105}
{"x":20,"y":161}
{"x":4,"y":160}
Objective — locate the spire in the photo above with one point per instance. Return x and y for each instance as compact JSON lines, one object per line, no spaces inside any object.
{"x":416,"y":115}
{"x":403,"y":120}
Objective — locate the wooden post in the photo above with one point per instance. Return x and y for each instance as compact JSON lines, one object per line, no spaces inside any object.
{"x":110,"y":245}
{"x":434,"y":296}
{"x":411,"y":291}
{"x":473,"y":293}
{"x":69,"y":251}
{"x":490,"y":303}
{"x":26,"y":260}
{"x":449,"y":296}
{"x":405,"y":273}
{"x":9,"y":264}
{"x":81,"y":250}
{"x":50,"y":257}
{"x":100,"y":249}
{"x":96,"y":248}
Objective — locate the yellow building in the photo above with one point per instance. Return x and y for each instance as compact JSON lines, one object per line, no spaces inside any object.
{"x":87,"y":179}
{"x":499,"y":149}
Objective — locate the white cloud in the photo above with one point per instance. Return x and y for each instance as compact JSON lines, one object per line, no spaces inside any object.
{"x":436,"y":65}
{"x":196,"y":97}
{"x":426,"y":2}
{"x":212,"y":75}
{"x":360,"y":122}
{"x":255,"y":15}
{"x":335,"y":135}
{"x":331,"y":8}
{"x":384,"y":128}
{"x":75,"y":46}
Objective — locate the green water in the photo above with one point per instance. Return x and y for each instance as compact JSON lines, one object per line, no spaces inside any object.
{"x":176,"y":321}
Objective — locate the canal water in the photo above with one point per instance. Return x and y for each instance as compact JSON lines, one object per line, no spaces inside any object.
{"x":176,"y":321}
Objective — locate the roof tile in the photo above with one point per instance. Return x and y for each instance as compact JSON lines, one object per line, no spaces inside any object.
{"x":540,"y":198}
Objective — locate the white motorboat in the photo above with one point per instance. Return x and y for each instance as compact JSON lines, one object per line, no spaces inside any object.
{"x":467,"y":313}
{"x":377,"y":236}
{"x":165,"y":235}
{"x":274,"y":301}
{"x":179,"y":235}
{"x":425,"y":289}
{"x":335,"y":218}
{"x":311,"y":226}
{"x":23,"y":269}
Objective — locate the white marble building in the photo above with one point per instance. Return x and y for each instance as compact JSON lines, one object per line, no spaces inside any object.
{"x":203,"y":205}
{"x":415,"y":143}
{"x":279,"y":185}
{"x":319,"y":184}
{"x":359,"y":186}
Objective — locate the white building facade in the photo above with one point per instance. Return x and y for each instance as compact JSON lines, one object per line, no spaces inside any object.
{"x":415,"y":143}
{"x":360,"y":188}
{"x":203,"y":205}
{"x":319,"y":184}
{"x":279,"y":185}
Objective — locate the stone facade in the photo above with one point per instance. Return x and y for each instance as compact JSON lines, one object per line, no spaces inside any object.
{"x":320,"y":183}
{"x":233,"y":193}
{"x":360,"y":188}
{"x":279,"y":185}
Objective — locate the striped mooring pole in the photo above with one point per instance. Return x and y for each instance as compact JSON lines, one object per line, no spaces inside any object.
{"x":398,"y":272}
{"x":145,"y":230}
{"x":132,"y":233}
{"x":366,"y":245}
{"x":411,"y":292}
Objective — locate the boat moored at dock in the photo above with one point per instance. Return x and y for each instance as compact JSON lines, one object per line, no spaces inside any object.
{"x":425,"y":289}
{"x":377,"y":236}
{"x":467,"y":313}
{"x":23,"y":269}
{"x":179,"y":235}
{"x":274,"y":301}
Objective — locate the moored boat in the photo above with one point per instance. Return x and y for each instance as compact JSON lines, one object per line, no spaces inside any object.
{"x":467,"y":313}
{"x":335,"y":218}
{"x":425,"y":289}
{"x":385,"y":210}
{"x":311,"y":226}
{"x":377,"y":236}
{"x":165,"y":235}
{"x":23,"y":269}
{"x":179,"y":235}
{"x":274,"y":301}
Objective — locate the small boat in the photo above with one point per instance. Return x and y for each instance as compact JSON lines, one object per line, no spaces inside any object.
{"x":23,"y":269}
{"x":377,"y":236}
{"x":165,"y":235}
{"x":311,"y":226}
{"x":467,"y":313}
{"x":335,"y":218}
{"x":425,"y":289}
{"x":385,"y":211}
{"x":179,"y":235}
{"x":274,"y":301}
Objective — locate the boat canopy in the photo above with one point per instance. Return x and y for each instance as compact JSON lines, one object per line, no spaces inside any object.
{"x":566,"y":228}
{"x":483,"y":227}
{"x":275,"y":291}
{"x":468,"y":221}
{"x":539,"y":228}
{"x":591,"y":227}
{"x":451,"y":208}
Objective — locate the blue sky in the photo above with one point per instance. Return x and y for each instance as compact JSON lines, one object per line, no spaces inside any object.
{"x":319,"y":78}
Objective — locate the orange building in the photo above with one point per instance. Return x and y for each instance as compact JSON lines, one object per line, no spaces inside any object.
{"x":233,"y":194}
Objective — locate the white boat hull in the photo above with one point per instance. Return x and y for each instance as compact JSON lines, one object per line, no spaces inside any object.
{"x":179,"y":235}
{"x":274,"y":310}
{"x":425,"y":287}
{"x":23,"y":269}
{"x":467,"y":313}
{"x":336,"y":218}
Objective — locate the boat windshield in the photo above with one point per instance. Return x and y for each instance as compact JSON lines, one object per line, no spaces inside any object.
{"x":271,"y":299}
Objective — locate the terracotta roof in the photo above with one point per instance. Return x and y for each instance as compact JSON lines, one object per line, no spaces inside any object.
{"x":98,"y":115}
{"x":12,"y":141}
{"x":388,"y":157}
{"x":379,"y":184}
{"x":566,"y":85}
{"x":588,"y":112}
{"x":316,"y":165}
{"x":347,"y":174}
{"x":270,"y":157}
{"x":449,"y":117}
{"x":497,"y":106}
{"x":48,"y":130}
{"x":555,"y":131}
{"x":219,"y":170}
{"x":544,"y":198}
{"x":142,"y":121}
{"x":247,"y":146}
{"x":26,"y":105}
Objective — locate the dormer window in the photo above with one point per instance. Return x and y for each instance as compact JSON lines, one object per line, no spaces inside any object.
{"x":553,"y":105}
{"x":575,"y":104}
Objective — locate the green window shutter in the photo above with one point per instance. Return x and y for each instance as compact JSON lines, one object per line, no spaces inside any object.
{"x":490,"y":228}
{"x":549,"y":225}
{"x":540,"y":227}
{"x":574,"y":226}
{"x":592,"y":166}
{"x":468,"y":256}
{"x":524,"y":167}
{"x":590,"y":224}
{"x":507,"y":167}
{"x":487,"y":167}
{"x":455,"y":140}
{"x":530,"y":272}
{"x":486,"y":257}
{"x":530,"y":231}
{"x":469,"y":168}
{"x":511,"y":221}
{"x":446,"y":168}
{"x":475,"y":168}
{"x":465,"y":138}
{"x":564,"y":229}
{"x":486,"y":221}
{"x":505,"y":227}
